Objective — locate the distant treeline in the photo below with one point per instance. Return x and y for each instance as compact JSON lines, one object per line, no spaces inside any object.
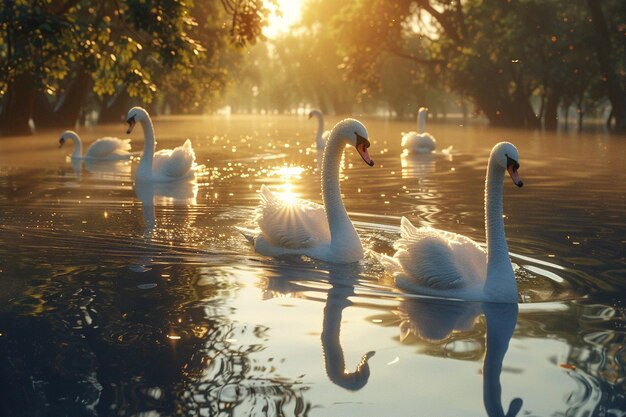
{"x":519,"y":63}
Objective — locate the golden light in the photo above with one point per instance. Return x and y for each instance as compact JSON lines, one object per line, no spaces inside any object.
{"x":290,"y":10}
{"x":288,"y":195}
{"x":286,"y":191}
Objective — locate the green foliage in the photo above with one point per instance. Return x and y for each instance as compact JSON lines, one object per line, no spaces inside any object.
{"x":142,"y":48}
{"x":499,"y":53}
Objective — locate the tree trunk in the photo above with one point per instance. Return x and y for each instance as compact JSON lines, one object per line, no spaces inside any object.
{"x":551,"y":111}
{"x":17,"y":106}
{"x":116,"y":110}
{"x":581,"y":114}
{"x":67,"y":110}
{"x":615,"y":92}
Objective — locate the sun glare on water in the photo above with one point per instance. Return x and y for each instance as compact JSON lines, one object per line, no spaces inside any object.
{"x":287,"y":191}
{"x":291,"y":11}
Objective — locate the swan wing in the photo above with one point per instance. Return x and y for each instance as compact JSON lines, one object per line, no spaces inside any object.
{"x":293,"y":224}
{"x":108,"y":146}
{"x":419,"y":142}
{"x":174,"y":163}
{"x":426,"y":141}
{"x":408,"y":138}
{"x":438,"y":259}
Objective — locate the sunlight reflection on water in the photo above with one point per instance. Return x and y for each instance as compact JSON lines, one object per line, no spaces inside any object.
{"x":159,"y":303}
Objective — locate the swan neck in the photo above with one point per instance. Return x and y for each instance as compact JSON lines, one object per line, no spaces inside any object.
{"x":341,"y":228}
{"x":78,"y":145}
{"x":149,"y":145}
{"x":421,"y":121}
{"x":497,"y":250}
{"x":320,"y":125}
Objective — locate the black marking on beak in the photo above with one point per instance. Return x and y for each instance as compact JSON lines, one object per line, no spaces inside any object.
{"x":512,"y":166}
{"x":131,"y":124}
{"x":361,"y":146}
{"x":511,"y":162}
{"x":360,"y":139}
{"x":61,"y":142}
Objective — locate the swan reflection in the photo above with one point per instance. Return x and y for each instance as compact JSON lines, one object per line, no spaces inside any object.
{"x":343,"y":281}
{"x":175,"y":193}
{"x":102,"y":169}
{"x":417,"y":166}
{"x":435,"y":320}
{"x":287,"y":280}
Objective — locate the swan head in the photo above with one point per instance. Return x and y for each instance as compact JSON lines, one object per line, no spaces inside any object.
{"x":505,"y":154}
{"x":353,"y":132}
{"x":68,"y":134}
{"x":135,"y":114}
{"x":315,"y":112}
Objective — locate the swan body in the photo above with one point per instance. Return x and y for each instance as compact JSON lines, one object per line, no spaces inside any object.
{"x":165,"y":165}
{"x":321,"y":137}
{"x":107,"y":148}
{"x":421,"y":141}
{"x":306,"y":228}
{"x":443,"y":264}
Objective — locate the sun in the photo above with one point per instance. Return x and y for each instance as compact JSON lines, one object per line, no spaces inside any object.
{"x":291,"y":11}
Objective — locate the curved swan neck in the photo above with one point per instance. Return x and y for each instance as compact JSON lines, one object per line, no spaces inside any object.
{"x":149,"y":146}
{"x":320,"y":124}
{"x":421,"y":120}
{"x":78,"y":144}
{"x":342,"y":232}
{"x":500,"y":279}
{"x":320,"y":128}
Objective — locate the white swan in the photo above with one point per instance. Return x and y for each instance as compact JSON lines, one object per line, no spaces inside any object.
{"x":306,"y":228}
{"x":420,"y":141}
{"x":107,"y":148}
{"x":165,"y":165}
{"x":321,"y":137}
{"x":443,"y":264}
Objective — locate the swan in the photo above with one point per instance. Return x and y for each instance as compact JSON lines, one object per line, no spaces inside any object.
{"x":321,"y":136}
{"x":420,"y":141}
{"x":165,"y":165}
{"x":443,"y":264}
{"x":306,"y":228}
{"x":107,"y":148}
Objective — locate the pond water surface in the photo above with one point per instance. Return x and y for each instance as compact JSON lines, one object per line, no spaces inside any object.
{"x":149,"y":302}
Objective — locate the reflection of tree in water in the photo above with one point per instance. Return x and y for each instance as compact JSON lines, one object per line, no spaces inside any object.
{"x":222,"y":379}
{"x":596,"y":359}
{"x":91,"y":341}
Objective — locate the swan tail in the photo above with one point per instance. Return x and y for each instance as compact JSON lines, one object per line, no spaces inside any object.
{"x":124,"y":146}
{"x":266,"y":195}
{"x":406,"y":228}
{"x":247,"y":233}
{"x":390,"y":263}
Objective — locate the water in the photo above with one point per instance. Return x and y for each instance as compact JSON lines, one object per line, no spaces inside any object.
{"x":116,"y":301}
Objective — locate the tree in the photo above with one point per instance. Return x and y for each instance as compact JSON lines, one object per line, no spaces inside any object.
{"x":501,"y":54}
{"x":55,"y":53}
{"x":611,"y":50}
